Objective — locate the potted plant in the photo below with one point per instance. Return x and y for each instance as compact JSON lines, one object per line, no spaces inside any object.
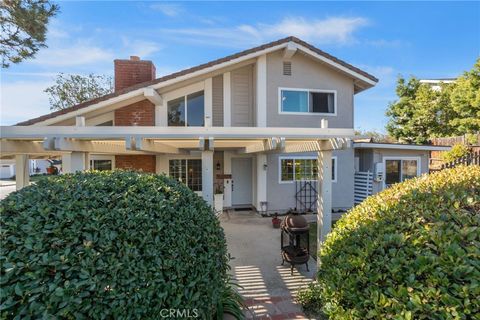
{"x":218,"y":198}
{"x":276,"y":221}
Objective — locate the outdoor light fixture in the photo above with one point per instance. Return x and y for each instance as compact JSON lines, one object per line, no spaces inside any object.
{"x":218,"y":165}
{"x":265,"y":166}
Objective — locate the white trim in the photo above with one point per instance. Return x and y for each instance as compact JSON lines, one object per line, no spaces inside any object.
{"x":334,"y":114}
{"x":208,"y":103}
{"x":280,"y":158}
{"x":227,"y":100}
{"x":368,"y":145}
{"x":139,"y":92}
{"x":261,"y":91}
{"x":152,"y":132}
{"x":337,"y":65}
{"x":401,"y":158}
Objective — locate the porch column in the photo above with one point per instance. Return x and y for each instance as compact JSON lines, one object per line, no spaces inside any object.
{"x":73,"y":162}
{"x":207,"y":176}
{"x":324,"y":196}
{"x":22,"y":171}
{"x":261,"y":180}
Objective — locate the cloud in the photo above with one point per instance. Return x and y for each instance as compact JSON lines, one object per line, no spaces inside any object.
{"x":168,"y":9}
{"x":33,"y":102}
{"x":332,"y":30}
{"x":141,"y":48}
{"x":77,"y":54}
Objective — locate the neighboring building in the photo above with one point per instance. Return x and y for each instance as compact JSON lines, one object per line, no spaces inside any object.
{"x":7,"y":168}
{"x":436,"y":83}
{"x":251,"y":124}
{"x":390,"y":163}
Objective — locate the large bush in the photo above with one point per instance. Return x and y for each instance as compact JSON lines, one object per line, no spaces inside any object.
{"x":409,"y":252}
{"x":109,"y":245}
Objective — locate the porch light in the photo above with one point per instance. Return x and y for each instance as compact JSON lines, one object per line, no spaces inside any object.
{"x":265,"y":166}
{"x":218,"y":165}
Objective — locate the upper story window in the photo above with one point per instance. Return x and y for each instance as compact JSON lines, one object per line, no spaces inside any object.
{"x":187,"y":111}
{"x":300,"y":101}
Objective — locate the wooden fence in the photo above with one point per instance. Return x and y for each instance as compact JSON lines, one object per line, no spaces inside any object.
{"x":363,"y":186}
{"x":470,"y":159}
{"x":450,"y":141}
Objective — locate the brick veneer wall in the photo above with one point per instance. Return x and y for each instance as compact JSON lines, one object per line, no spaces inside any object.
{"x":142,"y":113}
{"x":145,"y":163}
{"x":132,"y":72}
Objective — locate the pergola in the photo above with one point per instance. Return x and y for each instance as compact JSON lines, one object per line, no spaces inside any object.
{"x":74,"y":144}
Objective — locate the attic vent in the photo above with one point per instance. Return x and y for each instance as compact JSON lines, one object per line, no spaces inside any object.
{"x":287,"y":68}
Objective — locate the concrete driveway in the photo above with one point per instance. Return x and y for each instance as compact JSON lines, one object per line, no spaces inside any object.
{"x":268,"y":287}
{"x":6,"y":187}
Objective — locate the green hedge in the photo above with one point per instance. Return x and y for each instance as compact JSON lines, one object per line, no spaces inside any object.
{"x":409,"y":252}
{"x":117,"y":245}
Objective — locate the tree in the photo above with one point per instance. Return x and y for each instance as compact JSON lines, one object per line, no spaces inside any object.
{"x":23,"y":28}
{"x":465,"y":101}
{"x":73,"y":89}
{"x":422,"y":112}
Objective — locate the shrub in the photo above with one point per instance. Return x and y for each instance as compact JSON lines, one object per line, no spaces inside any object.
{"x":458,"y":151}
{"x":409,"y":252}
{"x":120,"y":245}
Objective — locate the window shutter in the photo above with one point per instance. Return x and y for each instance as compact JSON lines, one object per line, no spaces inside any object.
{"x":287,"y":68}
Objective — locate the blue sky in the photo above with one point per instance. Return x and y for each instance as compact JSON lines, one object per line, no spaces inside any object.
{"x":426,"y":39}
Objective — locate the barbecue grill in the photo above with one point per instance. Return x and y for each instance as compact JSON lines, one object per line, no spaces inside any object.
{"x":293,"y":249}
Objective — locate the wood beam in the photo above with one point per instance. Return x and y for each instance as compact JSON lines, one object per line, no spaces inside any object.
{"x":290,"y":50}
{"x":152,"y":146}
{"x":270,"y":144}
{"x":153,"y":96}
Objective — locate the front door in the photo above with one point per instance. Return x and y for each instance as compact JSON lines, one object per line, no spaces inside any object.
{"x":241,"y":182}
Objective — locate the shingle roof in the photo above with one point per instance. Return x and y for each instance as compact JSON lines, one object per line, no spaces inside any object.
{"x":194,"y":69}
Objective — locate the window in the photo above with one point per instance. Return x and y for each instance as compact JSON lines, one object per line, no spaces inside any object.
{"x":187,"y":111}
{"x":302,"y":168}
{"x":307,"y":101}
{"x":101,"y":165}
{"x":188,"y":171}
{"x":398,"y":170}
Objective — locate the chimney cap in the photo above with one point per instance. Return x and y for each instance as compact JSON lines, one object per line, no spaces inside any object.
{"x":135,"y":58}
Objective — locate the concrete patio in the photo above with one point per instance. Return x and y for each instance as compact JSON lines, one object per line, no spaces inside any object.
{"x":268,"y":287}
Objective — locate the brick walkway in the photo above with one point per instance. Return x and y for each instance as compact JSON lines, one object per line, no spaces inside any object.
{"x":267,"y":286}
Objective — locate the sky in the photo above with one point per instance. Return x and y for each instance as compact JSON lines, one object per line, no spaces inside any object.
{"x":386,"y":39}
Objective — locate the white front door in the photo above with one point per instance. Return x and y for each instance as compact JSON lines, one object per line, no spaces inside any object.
{"x":241,"y":182}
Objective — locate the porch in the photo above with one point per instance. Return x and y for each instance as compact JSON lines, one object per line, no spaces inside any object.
{"x":76,"y":144}
{"x":268,"y":287}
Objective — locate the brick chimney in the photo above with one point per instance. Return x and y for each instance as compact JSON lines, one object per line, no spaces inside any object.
{"x":133,"y":71}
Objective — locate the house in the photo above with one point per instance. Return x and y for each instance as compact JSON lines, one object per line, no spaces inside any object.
{"x":252,"y":124}
{"x":378,"y":165}
{"x":436,"y":84}
{"x":36,"y":166}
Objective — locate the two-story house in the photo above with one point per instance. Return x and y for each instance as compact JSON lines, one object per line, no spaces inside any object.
{"x":251,"y":124}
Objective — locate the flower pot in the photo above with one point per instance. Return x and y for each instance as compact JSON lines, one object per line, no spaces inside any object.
{"x":218,"y":202}
{"x":276,"y":222}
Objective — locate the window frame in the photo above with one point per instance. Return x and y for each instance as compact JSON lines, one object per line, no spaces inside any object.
{"x":280,"y":111}
{"x":280,"y":181}
{"x":187,"y":159}
{"x":185,"y":101}
{"x":401,"y":158}
{"x":95,"y":157}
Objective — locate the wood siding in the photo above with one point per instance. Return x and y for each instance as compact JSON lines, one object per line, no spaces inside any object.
{"x":217,"y":101}
{"x":242,"y":97}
